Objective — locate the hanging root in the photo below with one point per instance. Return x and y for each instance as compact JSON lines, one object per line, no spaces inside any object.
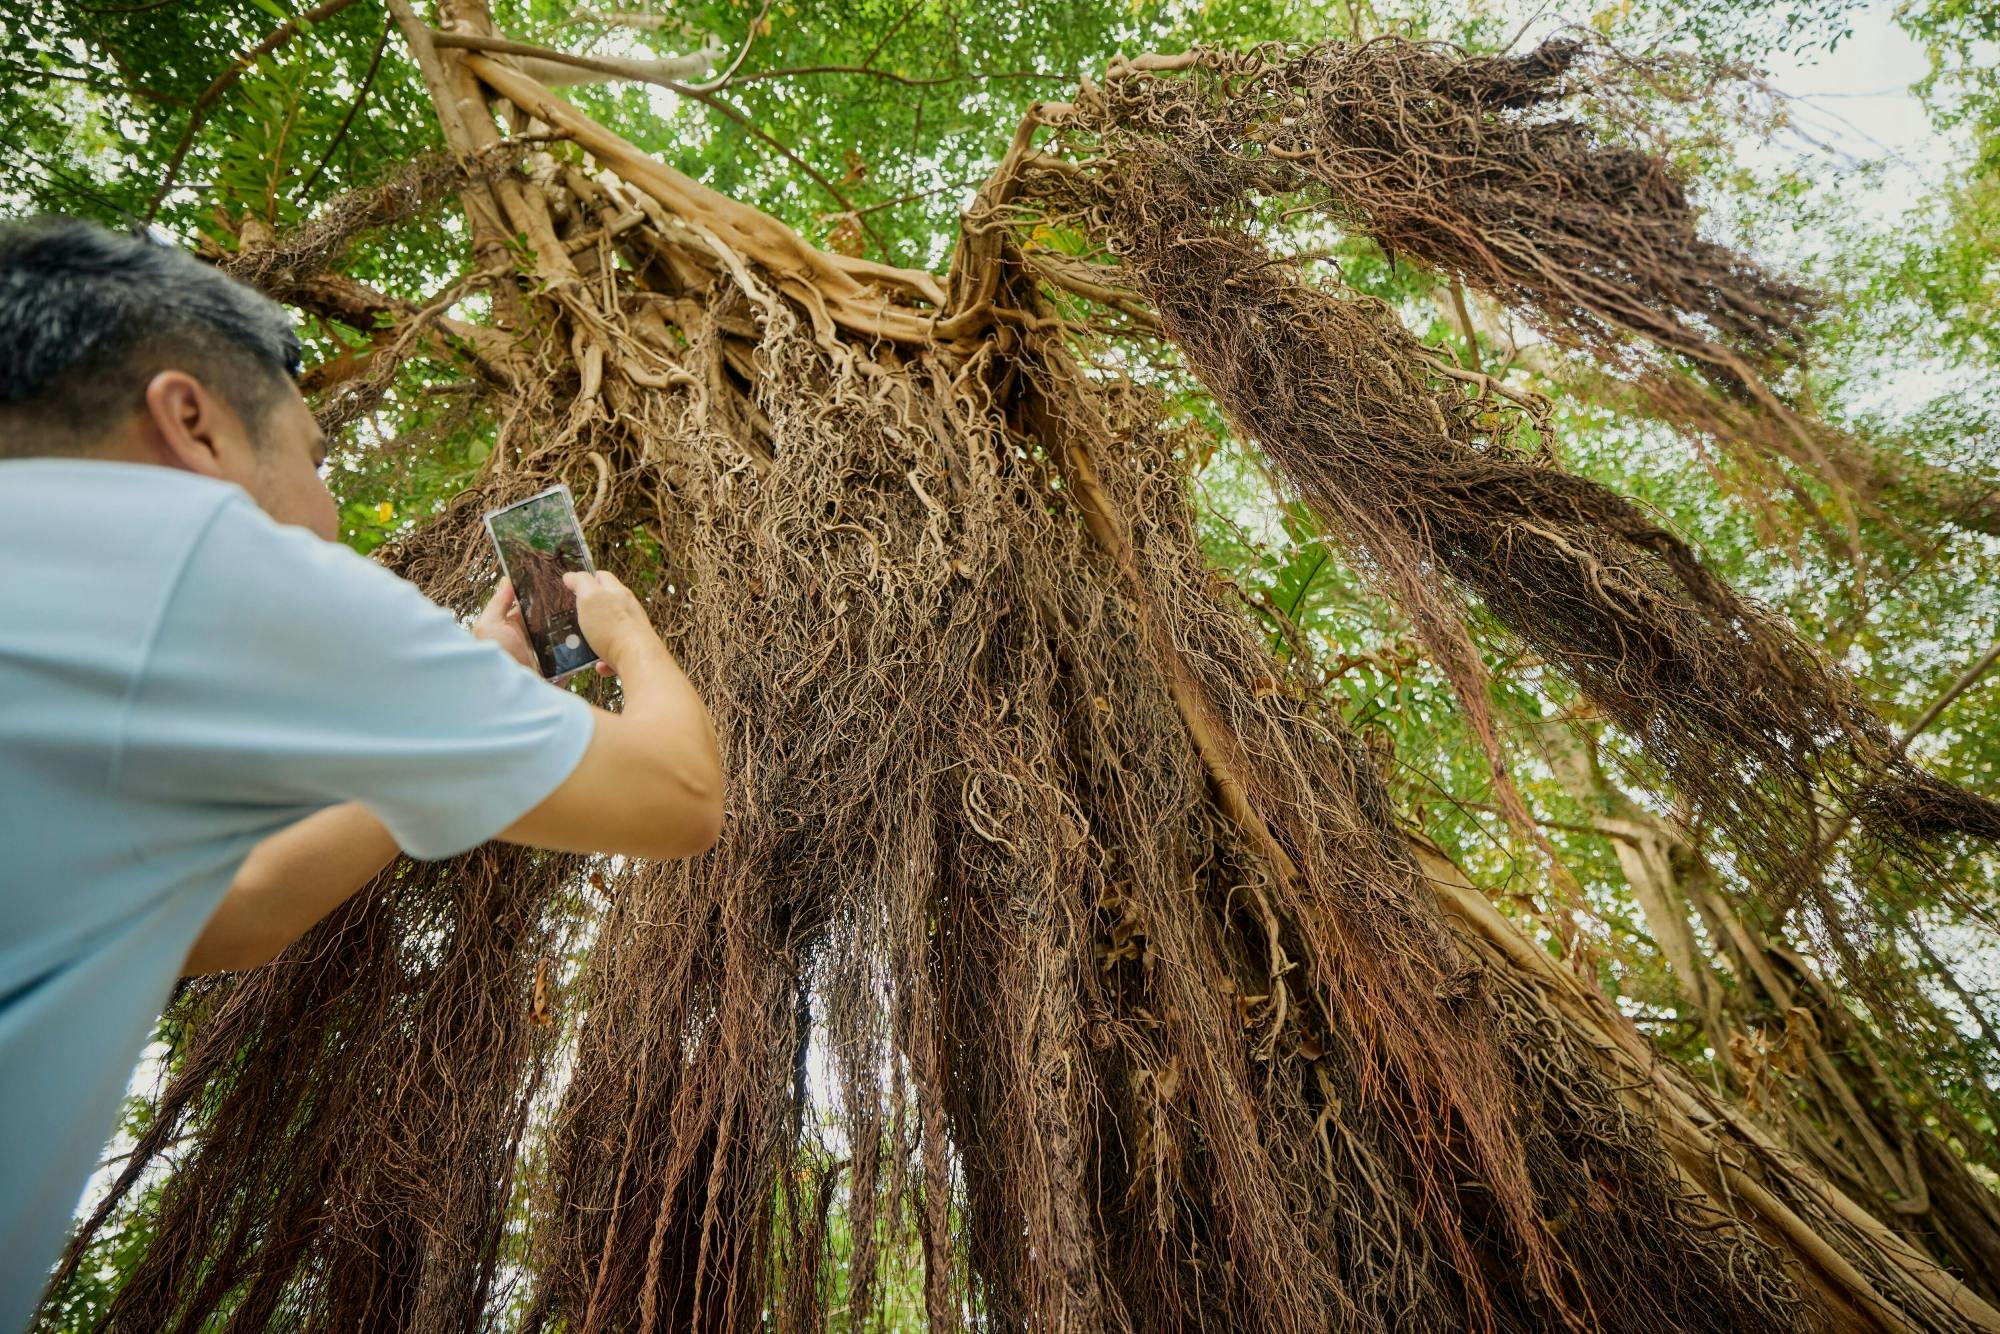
{"x":1102,"y":1056}
{"x":1057,"y":933}
{"x":355,"y":1111}
{"x":1459,"y":164}
{"x":1400,"y":1058}
{"x":1438,"y":489}
{"x":277,"y":265}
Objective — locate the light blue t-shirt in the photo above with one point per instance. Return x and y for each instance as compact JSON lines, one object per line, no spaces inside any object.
{"x":179,"y":678}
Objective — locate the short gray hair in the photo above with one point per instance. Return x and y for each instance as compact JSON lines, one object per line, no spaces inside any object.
{"x":88,"y":315}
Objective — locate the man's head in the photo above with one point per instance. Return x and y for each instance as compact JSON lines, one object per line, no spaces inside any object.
{"x":117,"y":347}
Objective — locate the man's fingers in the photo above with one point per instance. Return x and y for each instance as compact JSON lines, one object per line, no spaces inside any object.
{"x":598,"y":581}
{"x":500,"y":603}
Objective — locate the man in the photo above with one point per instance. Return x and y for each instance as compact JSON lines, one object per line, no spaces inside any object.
{"x":216,"y":723}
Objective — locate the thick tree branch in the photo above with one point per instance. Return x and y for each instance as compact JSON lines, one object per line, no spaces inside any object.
{"x":837,"y":283}
{"x":482,"y":203}
{"x":653,"y":72}
{"x":1465,"y":323}
{"x":656,"y":73}
{"x":623,"y":18}
{"x":970,"y":76}
{"x":548,"y":66}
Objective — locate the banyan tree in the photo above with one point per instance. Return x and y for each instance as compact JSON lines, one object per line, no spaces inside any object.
{"x":1065,"y":955}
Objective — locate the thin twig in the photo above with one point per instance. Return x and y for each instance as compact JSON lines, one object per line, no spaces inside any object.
{"x":1306,"y":586}
{"x":914,"y":196}
{"x":1966,"y":680}
{"x":973,"y":75}
{"x":367,"y":82}
{"x":32,"y":72}
{"x":716,"y":85}
{"x":1847,"y":629}
{"x":1466,"y":328}
{"x":890,"y":32}
{"x":709,"y":99}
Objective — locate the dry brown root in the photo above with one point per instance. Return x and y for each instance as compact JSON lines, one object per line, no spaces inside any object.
{"x":408,"y":193}
{"x":1860,"y":1275}
{"x":1456,"y":162}
{"x":1339,"y":822}
{"x":1063,"y":999}
{"x":1437,"y":486}
{"x":1136,"y":1008}
{"x":355,"y":1111}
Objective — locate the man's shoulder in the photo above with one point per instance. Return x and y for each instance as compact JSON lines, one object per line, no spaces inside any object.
{"x":249,"y":575}
{"x":124,"y":549}
{"x":86,"y":481}
{"x":68,"y":509}
{"x":105,"y":542}
{"x":288,"y":570}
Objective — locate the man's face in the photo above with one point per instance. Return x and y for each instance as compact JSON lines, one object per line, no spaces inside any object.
{"x":286,"y":456}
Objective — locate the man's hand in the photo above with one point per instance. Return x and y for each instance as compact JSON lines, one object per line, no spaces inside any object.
{"x":501,"y":623}
{"x":651,"y":782}
{"x":611,"y":619}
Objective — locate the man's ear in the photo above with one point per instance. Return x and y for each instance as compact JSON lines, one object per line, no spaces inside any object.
{"x":187,"y":426}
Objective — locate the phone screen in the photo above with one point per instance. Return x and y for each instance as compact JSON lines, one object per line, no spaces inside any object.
{"x":539,"y":540}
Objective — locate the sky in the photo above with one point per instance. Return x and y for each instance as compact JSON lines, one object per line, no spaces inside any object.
{"x":1853,"y":108}
{"x":1854,"y":105}
{"x":1857,"y":97}
{"x":1858,"y":129}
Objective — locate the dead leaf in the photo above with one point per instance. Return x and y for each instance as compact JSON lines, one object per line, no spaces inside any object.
{"x":540,"y":1012}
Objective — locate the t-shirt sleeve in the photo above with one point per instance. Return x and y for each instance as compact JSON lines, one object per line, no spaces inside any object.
{"x":291,"y":672}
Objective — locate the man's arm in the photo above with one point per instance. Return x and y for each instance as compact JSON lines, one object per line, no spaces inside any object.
{"x":650,"y":784}
{"x":303,"y":872}
{"x":287,"y":883}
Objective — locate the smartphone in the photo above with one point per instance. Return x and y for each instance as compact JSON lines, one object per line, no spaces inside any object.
{"x":539,"y":541}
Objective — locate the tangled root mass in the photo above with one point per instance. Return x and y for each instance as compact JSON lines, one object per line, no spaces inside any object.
{"x":1135,"y":1009}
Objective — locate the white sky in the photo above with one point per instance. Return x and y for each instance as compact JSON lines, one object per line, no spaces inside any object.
{"x":1853,"y":106}
{"x":1857,"y":100}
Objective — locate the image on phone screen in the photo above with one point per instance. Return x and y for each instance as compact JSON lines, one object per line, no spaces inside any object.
{"x":539,"y":540}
